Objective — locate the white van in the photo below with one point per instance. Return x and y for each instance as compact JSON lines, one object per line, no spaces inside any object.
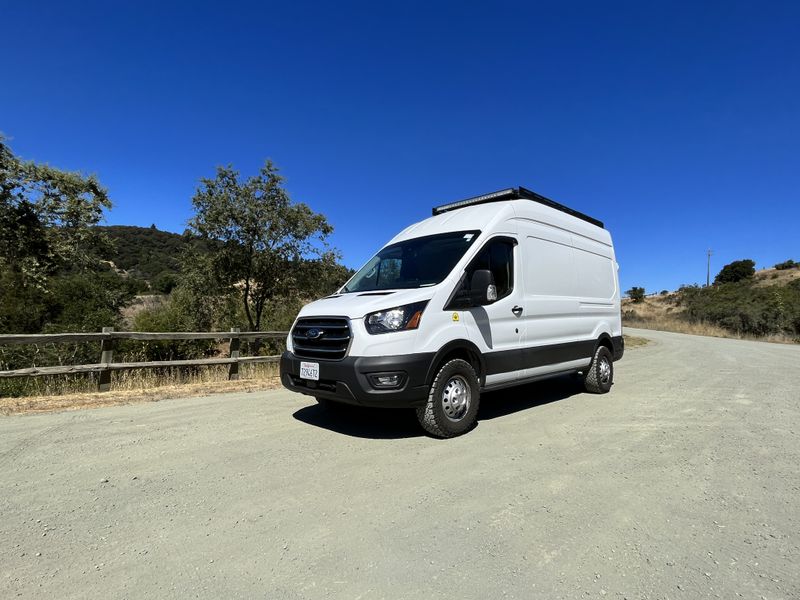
{"x":492,"y":291}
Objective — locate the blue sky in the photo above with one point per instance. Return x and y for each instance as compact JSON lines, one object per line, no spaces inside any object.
{"x":675,"y":123}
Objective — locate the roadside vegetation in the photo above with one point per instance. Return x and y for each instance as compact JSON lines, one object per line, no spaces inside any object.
{"x":249,"y":258}
{"x":741,"y":303}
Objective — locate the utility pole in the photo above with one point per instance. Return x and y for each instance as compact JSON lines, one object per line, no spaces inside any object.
{"x":708,"y":268}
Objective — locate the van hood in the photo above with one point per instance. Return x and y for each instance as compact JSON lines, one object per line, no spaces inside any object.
{"x":356,"y":305}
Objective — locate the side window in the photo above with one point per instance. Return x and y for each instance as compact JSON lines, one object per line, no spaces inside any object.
{"x":498,"y":257}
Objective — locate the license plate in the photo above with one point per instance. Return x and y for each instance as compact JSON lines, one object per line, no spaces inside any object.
{"x":309,"y":370}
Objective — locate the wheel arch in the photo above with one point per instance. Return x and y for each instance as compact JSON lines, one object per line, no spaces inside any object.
{"x":458,"y":349}
{"x":604,"y":339}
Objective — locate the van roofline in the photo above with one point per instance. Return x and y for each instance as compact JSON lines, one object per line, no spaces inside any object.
{"x":518,"y":193}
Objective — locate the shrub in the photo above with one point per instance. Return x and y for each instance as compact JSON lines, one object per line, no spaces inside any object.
{"x":186,"y":309}
{"x":746,"y":309}
{"x":630,"y":316}
{"x":788,"y":264}
{"x":736,"y":271}
{"x":165,"y":282}
{"x":636,"y":294}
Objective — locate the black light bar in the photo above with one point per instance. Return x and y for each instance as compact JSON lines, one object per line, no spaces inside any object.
{"x":519,"y":193}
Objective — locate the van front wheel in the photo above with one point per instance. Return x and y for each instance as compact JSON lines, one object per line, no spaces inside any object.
{"x":452,"y":406}
{"x":599,"y":377}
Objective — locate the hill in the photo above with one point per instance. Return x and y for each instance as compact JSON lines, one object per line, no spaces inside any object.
{"x":764,"y":307}
{"x":146,"y":252}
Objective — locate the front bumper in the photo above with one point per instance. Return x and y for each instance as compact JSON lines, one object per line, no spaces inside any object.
{"x":347,"y":381}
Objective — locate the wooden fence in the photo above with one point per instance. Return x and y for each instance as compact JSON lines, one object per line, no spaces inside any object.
{"x":107,"y":364}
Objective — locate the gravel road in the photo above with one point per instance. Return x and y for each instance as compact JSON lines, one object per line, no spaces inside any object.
{"x":683,"y":482}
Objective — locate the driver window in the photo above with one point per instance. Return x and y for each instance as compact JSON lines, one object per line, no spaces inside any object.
{"x":498,"y":257}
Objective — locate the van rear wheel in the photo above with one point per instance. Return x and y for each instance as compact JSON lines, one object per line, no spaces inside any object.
{"x":599,"y":377}
{"x":452,"y":406}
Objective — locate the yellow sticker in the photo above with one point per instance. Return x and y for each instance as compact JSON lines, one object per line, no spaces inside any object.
{"x":455,"y":316}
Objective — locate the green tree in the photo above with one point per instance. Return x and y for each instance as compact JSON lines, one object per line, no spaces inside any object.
{"x":47,"y":218}
{"x":267,"y":244}
{"x":87,"y":300}
{"x":738,"y":270}
{"x":636,"y":294}
{"x":47,"y":232}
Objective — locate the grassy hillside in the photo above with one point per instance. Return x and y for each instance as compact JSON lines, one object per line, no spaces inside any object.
{"x":764,"y":307}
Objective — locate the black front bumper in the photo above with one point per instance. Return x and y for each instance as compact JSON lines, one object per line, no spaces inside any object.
{"x":346,"y":380}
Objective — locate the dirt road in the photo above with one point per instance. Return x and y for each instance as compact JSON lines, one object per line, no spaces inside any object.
{"x":683,"y":482}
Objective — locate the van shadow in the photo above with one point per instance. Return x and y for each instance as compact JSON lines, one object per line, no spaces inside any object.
{"x":362,"y":421}
{"x":391,"y":423}
{"x":524,"y":397}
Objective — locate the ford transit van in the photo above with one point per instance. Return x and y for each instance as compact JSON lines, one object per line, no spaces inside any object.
{"x":492,"y":291}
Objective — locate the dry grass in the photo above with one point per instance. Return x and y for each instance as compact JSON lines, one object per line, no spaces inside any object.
{"x":666,"y":323}
{"x":139,"y":304}
{"x":39,"y":404}
{"x":775,"y":277}
{"x":662,"y":314}
{"x":633,"y":341}
{"x":71,"y":393}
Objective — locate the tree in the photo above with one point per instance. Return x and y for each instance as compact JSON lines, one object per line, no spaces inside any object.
{"x":736,"y":271}
{"x":47,"y":217}
{"x":47,"y":234}
{"x":636,"y":294}
{"x":265,"y":241}
{"x":87,"y":300}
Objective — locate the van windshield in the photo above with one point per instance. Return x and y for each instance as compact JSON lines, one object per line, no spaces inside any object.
{"x":413,"y":263}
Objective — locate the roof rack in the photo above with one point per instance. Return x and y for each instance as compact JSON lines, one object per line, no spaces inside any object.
{"x":518,"y":193}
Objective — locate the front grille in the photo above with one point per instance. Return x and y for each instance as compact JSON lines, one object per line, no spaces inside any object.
{"x":321,"y":337}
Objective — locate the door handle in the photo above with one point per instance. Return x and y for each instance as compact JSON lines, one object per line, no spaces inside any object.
{"x":517,"y":310}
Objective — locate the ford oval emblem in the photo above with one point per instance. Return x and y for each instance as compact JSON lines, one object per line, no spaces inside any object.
{"x":313,"y":334}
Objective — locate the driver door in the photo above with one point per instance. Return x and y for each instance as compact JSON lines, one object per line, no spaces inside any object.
{"x":498,"y":328}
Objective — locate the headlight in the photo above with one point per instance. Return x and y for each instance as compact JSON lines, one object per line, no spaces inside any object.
{"x":395,"y":319}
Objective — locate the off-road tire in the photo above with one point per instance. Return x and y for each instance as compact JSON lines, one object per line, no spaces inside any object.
{"x":458,"y":374}
{"x":599,"y":377}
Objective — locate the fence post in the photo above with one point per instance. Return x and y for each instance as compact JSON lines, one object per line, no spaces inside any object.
{"x":233,"y":368}
{"x":106,"y":356}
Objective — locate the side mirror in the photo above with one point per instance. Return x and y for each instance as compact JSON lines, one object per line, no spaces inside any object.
{"x":483,"y":288}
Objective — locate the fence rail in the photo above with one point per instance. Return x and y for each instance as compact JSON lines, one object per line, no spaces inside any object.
{"x":107,"y":364}
{"x":49,"y":338}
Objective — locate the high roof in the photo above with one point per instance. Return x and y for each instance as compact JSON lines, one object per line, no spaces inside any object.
{"x":518,"y":193}
{"x":484,"y":218}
